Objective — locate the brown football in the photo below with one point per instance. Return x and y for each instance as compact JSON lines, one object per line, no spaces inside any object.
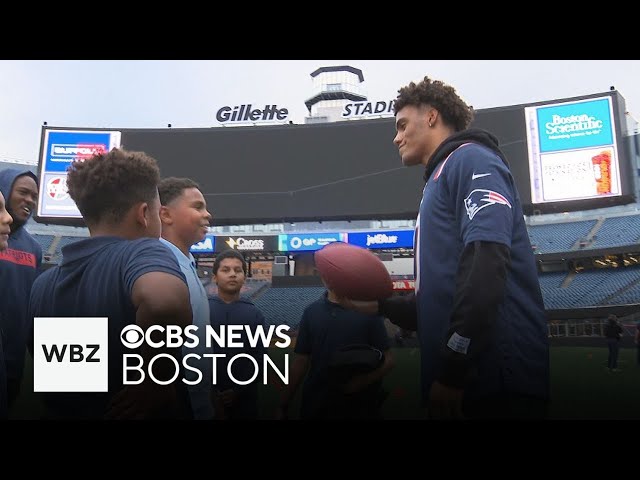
{"x":353,"y":272}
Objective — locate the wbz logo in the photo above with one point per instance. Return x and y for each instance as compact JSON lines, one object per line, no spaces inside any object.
{"x":76,"y":353}
{"x":70,"y":354}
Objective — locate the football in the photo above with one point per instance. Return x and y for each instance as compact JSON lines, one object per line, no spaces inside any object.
{"x":353,"y":272}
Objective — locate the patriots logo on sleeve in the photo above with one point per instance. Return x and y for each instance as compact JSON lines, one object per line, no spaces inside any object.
{"x":480,"y":198}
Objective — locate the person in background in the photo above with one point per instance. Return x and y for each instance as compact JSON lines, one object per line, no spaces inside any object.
{"x":234,"y":401}
{"x":613,"y":334}
{"x":5,"y":231}
{"x":20,"y":264}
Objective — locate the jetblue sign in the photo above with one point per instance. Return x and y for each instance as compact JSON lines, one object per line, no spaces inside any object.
{"x":307,"y":241}
{"x":382,"y":239}
{"x":205,"y":246}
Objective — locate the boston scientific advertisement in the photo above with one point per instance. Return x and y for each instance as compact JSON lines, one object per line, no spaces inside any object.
{"x":573,"y":154}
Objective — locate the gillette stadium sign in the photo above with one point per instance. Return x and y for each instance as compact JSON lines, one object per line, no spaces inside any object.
{"x":246,"y":113}
{"x":368,"y":109}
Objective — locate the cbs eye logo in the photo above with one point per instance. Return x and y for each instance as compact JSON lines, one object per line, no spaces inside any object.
{"x":132,"y":336}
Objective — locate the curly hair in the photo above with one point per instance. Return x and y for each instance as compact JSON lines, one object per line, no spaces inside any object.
{"x":229,"y":253}
{"x":106,"y":185}
{"x":171,"y":188}
{"x":454,"y":111}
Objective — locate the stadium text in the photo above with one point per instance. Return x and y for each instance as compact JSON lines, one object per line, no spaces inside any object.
{"x":367,"y":108}
{"x":245,"y":113}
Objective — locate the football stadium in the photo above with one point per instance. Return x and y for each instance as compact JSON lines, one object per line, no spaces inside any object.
{"x":280,"y":191}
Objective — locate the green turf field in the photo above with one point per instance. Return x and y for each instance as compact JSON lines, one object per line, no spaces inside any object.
{"x":581,"y":387}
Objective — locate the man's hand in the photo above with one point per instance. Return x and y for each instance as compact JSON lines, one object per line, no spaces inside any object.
{"x":445,"y":403}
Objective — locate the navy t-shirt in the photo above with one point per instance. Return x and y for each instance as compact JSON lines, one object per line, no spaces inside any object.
{"x":238,"y":313}
{"x":95,"y":279}
{"x":325,"y":328}
{"x":472,"y":196}
{"x":241,"y":312}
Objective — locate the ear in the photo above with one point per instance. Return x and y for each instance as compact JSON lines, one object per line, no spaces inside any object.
{"x":165,"y":215}
{"x":432,"y":116}
{"x":142,"y":214}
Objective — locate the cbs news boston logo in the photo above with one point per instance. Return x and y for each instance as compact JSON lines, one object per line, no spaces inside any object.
{"x":71,"y":353}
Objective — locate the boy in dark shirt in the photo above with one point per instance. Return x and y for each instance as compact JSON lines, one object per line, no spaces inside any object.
{"x":233,"y":401}
{"x":328,"y":335}
{"x":124,"y":273}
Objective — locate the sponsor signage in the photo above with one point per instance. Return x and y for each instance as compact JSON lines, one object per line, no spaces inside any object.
{"x":268,"y":243}
{"x":404,"y":284}
{"x":300,"y":242}
{"x":573,"y":154}
{"x":205,"y":246}
{"x":382,"y":239}
{"x":368,"y":109}
{"x":60,"y":148}
{"x":247,"y":113}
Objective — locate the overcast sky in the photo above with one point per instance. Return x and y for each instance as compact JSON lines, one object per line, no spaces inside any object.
{"x":187,"y":94}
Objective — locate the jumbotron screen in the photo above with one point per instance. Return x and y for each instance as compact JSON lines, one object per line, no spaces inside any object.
{"x":566,"y":154}
{"x":59,"y":147}
{"x":261,"y":174}
{"x":573,"y":150}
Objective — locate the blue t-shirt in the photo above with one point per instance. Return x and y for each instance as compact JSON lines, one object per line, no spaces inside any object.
{"x":95,"y":279}
{"x":200,"y":392}
{"x":472,"y":196}
{"x":325,"y":328}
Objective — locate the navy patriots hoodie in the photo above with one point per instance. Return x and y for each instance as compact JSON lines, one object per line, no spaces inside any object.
{"x":19,"y":266}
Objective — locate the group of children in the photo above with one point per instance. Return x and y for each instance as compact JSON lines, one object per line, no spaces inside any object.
{"x":136,"y":268}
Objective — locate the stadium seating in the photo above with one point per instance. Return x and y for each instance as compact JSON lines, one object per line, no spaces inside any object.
{"x":45,"y":242}
{"x":591,"y":288}
{"x":559,"y":237}
{"x":617,"y":231}
{"x":604,"y":287}
{"x":285,"y":305}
